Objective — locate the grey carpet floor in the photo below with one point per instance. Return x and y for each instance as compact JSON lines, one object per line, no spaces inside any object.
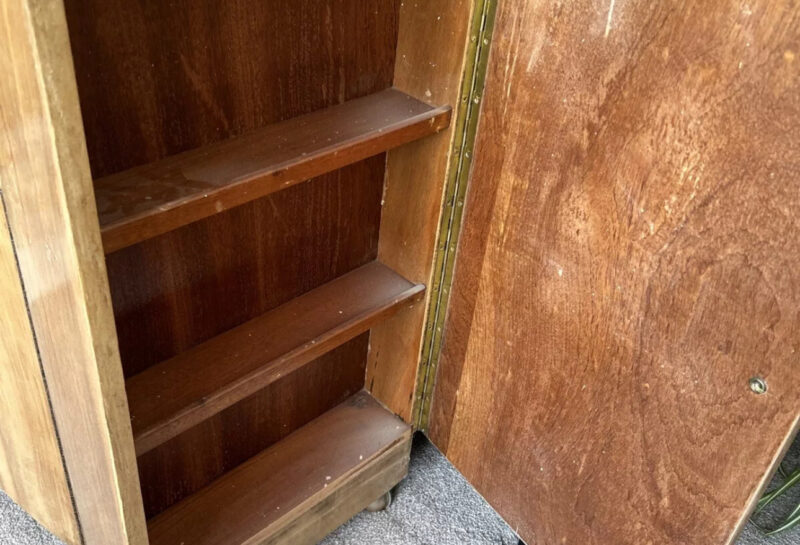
{"x":433,"y":506}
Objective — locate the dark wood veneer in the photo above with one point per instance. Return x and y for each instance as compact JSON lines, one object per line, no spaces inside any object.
{"x":629,"y":260}
{"x":153,"y":199}
{"x":157,"y":79}
{"x":171,"y":397}
{"x":190,"y":461}
{"x":256,"y":500}
{"x":187,"y":286}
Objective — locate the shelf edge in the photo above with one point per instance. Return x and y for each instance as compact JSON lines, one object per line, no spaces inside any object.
{"x":148,"y":224}
{"x":248,"y":384}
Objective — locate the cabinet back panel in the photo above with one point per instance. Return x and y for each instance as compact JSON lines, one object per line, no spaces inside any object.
{"x":157,"y":78}
{"x":177,"y":290}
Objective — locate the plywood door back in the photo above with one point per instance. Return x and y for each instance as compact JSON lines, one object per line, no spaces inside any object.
{"x":629,"y":261}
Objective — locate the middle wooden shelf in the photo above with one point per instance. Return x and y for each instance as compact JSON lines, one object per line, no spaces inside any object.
{"x":172,"y":396}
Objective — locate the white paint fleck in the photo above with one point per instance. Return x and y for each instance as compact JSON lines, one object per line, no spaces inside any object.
{"x":610,"y":15}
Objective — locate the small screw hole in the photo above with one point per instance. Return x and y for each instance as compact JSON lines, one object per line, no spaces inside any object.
{"x":758,"y":385}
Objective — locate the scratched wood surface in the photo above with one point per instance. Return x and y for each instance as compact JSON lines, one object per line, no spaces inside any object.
{"x":629,"y":261}
{"x":150,"y":200}
{"x":180,"y":289}
{"x":159,"y":78}
{"x":316,"y":490}
{"x":240,"y":362}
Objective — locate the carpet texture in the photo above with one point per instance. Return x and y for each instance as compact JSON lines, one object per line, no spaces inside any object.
{"x":19,"y":528}
{"x":433,"y":506}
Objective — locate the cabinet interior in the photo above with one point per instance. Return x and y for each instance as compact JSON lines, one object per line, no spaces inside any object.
{"x":239,"y":157}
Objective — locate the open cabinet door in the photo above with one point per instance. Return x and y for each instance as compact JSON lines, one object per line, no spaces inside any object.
{"x":628,"y":271}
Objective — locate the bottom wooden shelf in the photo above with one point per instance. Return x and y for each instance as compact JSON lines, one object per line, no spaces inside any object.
{"x":299,"y":489}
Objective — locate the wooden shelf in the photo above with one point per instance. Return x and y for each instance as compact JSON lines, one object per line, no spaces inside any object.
{"x":299,"y":489}
{"x":152,"y":199}
{"x":176,"y":394}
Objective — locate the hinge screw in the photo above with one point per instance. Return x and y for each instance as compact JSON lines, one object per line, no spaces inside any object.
{"x":758,"y":385}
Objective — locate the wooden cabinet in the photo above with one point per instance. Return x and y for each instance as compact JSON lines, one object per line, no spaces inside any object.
{"x":249,"y":247}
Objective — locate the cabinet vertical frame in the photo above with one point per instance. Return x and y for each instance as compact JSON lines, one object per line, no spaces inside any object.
{"x":432,"y":50}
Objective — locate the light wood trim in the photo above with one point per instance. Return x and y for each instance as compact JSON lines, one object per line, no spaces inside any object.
{"x":366,"y":485}
{"x":431,"y":50}
{"x":31,"y":471}
{"x":50,"y":204}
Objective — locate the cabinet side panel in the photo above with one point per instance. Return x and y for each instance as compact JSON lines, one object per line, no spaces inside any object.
{"x":31,"y":470}
{"x":629,"y":260}
{"x":50,"y":206}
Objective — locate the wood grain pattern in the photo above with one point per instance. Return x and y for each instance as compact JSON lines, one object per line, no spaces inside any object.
{"x":324,"y":514}
{"x":432,"y":40}
{"x":150,"y":200}
{"x":279,"y":486}
{"x":157,"y":79}
{"x":31,"y":469}
{"x":182,"y":466}
{"x":188,"y":286}
{"x":48,"y":193}
{"x":149,"y":92}
{"x":629,"y":261}
{"x":179,"y":393}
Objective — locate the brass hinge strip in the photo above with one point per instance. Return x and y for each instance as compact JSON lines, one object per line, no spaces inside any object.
{"x":453,"y":208}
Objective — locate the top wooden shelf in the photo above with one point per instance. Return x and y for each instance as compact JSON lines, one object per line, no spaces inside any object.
{"x":152,"y":199}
